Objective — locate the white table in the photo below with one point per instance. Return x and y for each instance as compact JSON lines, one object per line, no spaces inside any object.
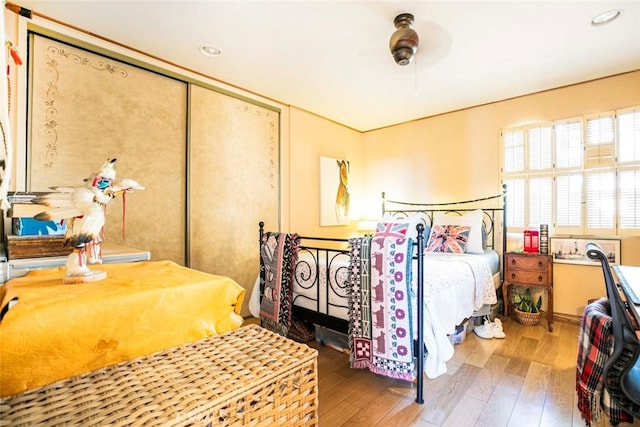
{"x":110,"y":254}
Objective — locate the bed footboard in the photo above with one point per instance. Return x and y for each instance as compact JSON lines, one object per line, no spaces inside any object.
{"x":320,"y":293}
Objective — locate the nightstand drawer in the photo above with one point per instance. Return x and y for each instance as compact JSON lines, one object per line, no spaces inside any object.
{"x":527,"y":262}
{"x":528,"y":277}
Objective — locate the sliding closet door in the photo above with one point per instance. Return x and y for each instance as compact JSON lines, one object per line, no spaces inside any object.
{"x":234,"y":170}
{"x":84,"y":108}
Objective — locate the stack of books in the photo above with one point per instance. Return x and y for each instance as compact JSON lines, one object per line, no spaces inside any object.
{"x":29,"y":237}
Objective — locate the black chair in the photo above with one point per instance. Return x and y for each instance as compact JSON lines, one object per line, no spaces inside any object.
{"x":622,"y":368}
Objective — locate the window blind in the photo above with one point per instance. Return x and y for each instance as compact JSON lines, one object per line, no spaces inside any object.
{"x":629,"y":136}
{"x":568,"y":202}
{"x":601,"y":202}
{"x":582,"y":175}
{"x":540,"y":152}
{"x":540,"y":200}
{"x":600,"y":141}
{"x":629,"y":196}
{"x":568,"y":144}
{"x":516,"y":201}
{"x":513,"y":151}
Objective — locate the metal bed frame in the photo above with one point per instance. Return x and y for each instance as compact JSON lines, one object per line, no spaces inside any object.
{"x":492,"y":216}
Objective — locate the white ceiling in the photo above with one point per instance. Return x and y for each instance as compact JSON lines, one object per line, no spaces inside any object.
{"x":332,"y":57}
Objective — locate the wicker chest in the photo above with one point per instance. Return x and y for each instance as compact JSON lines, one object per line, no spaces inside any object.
{"x":248,"y":377}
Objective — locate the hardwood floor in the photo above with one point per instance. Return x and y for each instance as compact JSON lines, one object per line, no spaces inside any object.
{"x":526,"y":379}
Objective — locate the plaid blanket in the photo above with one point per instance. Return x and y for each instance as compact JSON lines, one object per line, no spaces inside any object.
{"x":594,"y":347}
{"x":278,"y":256}
{"x":380,"y":326}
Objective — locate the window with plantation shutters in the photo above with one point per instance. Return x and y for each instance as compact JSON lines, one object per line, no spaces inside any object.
{"x":579,"y":175}
{"x":515,"y":211}
{"x":568,"y":144}
{"x":628,"y":179}
{"x":568,"y":203}
{"x":629,"y":197}
{"x":540,"y":200}
{"x":600,"y":141}
{"x":513,"y":151}
{"x":540,"y":147}
{"x":629,"y":136}
{"x":600,"y":189}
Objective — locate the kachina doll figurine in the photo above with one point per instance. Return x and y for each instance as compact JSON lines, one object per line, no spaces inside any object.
{"x":83,"y":208}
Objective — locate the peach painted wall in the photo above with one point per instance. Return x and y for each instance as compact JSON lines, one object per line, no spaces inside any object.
{"x":456,"y":156}
{"x":312,"y":137}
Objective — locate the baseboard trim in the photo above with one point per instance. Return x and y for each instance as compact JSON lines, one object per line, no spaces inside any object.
{"x":567,"y":318}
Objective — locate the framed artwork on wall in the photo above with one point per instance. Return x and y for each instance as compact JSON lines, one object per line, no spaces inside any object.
{"x":570,"y":250}
{"x":334,"y":191}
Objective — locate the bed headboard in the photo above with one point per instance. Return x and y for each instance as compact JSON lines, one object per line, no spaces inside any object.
{"x":493,"y":209}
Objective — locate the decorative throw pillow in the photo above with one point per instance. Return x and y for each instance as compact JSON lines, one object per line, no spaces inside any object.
{"x":391,"y":229}
{"x":473,"y":219}
{"x":412,"y":221}
{"x":448,"y":238}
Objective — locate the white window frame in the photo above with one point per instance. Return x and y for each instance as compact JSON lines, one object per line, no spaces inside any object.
{"x":586,"y":162}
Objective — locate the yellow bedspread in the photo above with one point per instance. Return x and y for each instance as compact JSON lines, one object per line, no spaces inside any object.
{"x":56,"y":331}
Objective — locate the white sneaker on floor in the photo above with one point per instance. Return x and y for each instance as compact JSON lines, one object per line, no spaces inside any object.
{"x":485,"y":331}
{"x":496,"y":327}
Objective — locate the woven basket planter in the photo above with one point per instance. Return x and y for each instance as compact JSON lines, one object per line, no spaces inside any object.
{"x":527,"y":319}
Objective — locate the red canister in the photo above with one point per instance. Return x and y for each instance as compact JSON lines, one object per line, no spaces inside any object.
{"x":531,"y":241}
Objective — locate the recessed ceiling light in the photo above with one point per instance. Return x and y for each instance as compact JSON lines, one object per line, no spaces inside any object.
{"x":210,"y":51}
{"x":605,"y":18}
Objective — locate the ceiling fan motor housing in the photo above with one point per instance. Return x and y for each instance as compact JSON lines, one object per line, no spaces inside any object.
{"x":404,"y":41}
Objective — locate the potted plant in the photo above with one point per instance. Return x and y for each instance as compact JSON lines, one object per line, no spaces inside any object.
{"x":527,"y":312}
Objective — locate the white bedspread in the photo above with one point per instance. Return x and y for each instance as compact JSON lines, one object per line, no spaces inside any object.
{"x":455,"y":286}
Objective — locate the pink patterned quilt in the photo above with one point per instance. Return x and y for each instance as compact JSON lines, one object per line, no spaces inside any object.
{"x":380,"y":326}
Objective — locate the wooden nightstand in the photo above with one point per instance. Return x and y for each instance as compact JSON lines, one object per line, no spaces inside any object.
{"x":528,"y":270}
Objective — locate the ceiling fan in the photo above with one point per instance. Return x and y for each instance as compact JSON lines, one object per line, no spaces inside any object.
{"x":404,"y":41}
